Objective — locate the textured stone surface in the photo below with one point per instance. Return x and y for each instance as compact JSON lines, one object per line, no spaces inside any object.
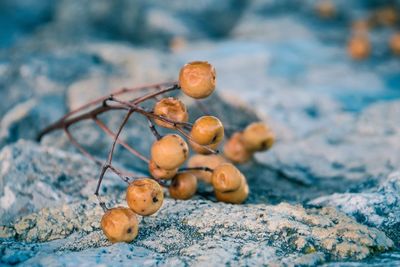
{"x":379,"y":207}
{"x":196,"y":232}
{"x":34,"y":177}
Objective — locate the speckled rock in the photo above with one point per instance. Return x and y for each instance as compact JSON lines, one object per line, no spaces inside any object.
{"x":33,"y":177}
{"x":378,"y":207}
{"x":197,"y":231}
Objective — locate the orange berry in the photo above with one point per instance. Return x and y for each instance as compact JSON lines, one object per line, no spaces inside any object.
{"x":235,"y":197}
{"x":360,"y":26}
{"x":258,"y":137}
{"x":386,"y":16}
{"x":144,"y":196}
{"x":197,"y":79}
{"x":359,"y":47}
{"x":395,"y":43}
{"x":120,"y":225}
{"x":159,"y":173}
{"x":210,"y":161}
{"x":226,"y":177}
{"x":172,"y":109}
{"x":169,"y":152}
{"x":183,"y":186}
{"x":235,"y":150}
{"x":325,"y":9}
{"x":208,"y":131}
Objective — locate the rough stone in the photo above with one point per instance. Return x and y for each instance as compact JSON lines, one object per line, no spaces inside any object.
{"x":378,"y":207}
{"x":196,"y":232}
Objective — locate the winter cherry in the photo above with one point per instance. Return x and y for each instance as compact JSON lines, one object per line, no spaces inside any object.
{"x":183,"y":186}
{"x":197,"y":79}
{"x":144,"y":196}
{"x":226,"y":177}
{"x":258,"y":137}
{"x":395,"y":43}
{"x":120,"y":224}
{"x":208,"y":131}
{"x":172,"y":109}
{"x":209,"y":161}
{"x":235,"y":197}
{"x":235,"y":150}
{"x":158,"y":173}
{"x":169,"y":152}
{"x":359,"y":47}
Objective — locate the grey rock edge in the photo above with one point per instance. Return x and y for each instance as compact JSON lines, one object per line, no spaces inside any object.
{"x":196,"y":232}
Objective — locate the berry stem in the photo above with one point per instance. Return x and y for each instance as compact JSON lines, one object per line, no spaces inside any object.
{"x":153,"y":129}
{"x":196,"y":169}
{"x":122,"y":143}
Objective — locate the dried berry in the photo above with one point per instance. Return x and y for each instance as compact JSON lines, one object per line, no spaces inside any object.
{"x":359,"y":47}
{"x":169,"y":152}
{"x":120,"y":225}
{"x":235,"y":150}
{"x":197,"y":79}
{"x":209,"y":161}
{"x":235,"y":197}
{"x":208,"y":131}
{"x":395,"y":43}
{"x":183,"y":186}
{"x":226,"y":177}
{"x":172,"y":109}
{"x":258,"y":137}
{"x":144,"y":196}
{"x":159,"y":173}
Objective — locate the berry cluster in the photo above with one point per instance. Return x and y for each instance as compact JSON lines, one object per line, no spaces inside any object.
{"x":359,"y":45}
{"x":168,"y":153}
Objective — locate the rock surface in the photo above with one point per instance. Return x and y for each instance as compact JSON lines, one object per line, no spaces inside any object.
{"x":196,"y":232}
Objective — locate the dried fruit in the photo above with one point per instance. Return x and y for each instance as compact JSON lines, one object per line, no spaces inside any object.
{"x":169,"y":152}
{"x":208,"y":131}
{"x":197,"y":79}
{"x":183,"y":186}
{"x":144,"y":196}
{"x":359,"y":47}
{"x":159,"y":173}
{"x":235,"y":150}
{"x":235,"y":197}
{"x":395,"y":43}
{"x":258,"y":137}
{"x":226,"y":177}
{"x":172,"y":109}
{"x":209,"y":161}
{"x":120,"y":225}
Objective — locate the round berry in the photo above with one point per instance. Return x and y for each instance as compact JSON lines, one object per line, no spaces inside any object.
{"x":359,"y":47}
{"x":120,"y":225}
{"x":235,"y":197}
{"x":169,"y":152}
{"x":326,"y":9}
{"x":207,"y":130}
{"x":258,"y":137}
{"x":235,"y":150}
{"x":226,"y":177}
{"x":172,"y":109}
{"x":183,"y":186}
{"x":159,"y":173}
{"x":209,"y":161}
{"x":197,"y":79}
{"x":144,"y":196}
{"x":395,"y":43}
